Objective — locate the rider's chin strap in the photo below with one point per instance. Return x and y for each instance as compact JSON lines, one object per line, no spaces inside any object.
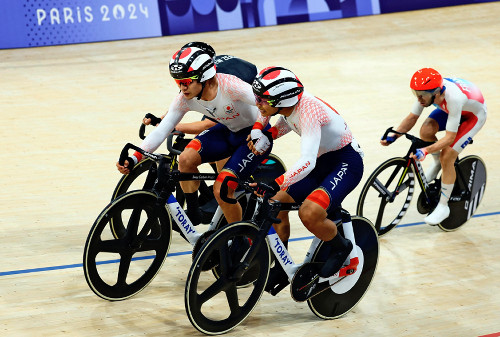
{"x":202,"y":88}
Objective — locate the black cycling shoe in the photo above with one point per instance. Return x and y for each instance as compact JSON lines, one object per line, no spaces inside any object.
{"x":340,"y":250}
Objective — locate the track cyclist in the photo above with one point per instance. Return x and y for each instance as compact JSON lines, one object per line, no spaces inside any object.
{"x":460,"y":110}
{"x":222,"y":97}
{"x":329,"y":168}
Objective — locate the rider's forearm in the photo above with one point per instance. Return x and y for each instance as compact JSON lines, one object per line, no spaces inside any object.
{"x":195,"y":128}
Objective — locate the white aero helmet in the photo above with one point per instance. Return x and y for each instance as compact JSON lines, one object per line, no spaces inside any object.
{"x":192,"y":62}
{"x":279,"y":86}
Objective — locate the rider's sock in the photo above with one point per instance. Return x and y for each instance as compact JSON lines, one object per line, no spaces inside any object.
{"x":434,"y":167}
{"x":193,"y":208}
{"x":446,"y":190}
{"x":340,"y":249}
{"x":442,"y":211}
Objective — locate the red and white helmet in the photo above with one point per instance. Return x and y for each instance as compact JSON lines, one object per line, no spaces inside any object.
{"x":192,"y":62}
{"x":279,"y":86}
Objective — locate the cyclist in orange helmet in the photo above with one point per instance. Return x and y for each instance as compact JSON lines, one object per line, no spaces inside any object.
{"x":460,"y":111}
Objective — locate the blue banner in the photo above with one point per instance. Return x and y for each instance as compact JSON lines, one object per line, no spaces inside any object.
{"x":192,"y":16}
{"x":391,"y":6}
{"x":32,"y":23}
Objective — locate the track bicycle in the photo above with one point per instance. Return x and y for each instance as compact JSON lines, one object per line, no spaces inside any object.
{"x":268,"y":170}
{"x":129,"y":241}
{"x":216,"y":305}
{"x":386,"y":195}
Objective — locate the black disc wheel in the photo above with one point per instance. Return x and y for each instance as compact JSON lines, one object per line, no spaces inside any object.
{"x":117,"y":268}
{"x":217,"y":305}
{"x":387,"y":194}
{"x":473,"y":170}
{"x":343,"y":296}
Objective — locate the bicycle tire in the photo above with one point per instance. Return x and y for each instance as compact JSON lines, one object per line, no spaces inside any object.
{"x":213,"y":306}
{"x":475,"y":175}
{"x":371,"y":203}
{"x":126,"y":180}
{"x":342,"y":297}
{"x":136,"y":267}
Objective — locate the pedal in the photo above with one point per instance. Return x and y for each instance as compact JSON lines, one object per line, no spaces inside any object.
{"x":350,"y":269}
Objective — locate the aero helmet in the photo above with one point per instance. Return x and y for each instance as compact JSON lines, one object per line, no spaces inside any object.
{"x":279,"y":86}
{"x":202,"y":45}
{"x":192,"y":62}
{"x":426,"y":79}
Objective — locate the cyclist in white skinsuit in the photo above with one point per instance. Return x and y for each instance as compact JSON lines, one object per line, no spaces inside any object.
{"x":224,"y":98}
{"x":321,"y":130}
{"x":330,"y":164}
{"x":460,"y":110}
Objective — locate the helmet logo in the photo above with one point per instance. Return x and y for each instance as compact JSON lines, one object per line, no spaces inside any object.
{"x":257,"y":85}
{"x":176,"y":67}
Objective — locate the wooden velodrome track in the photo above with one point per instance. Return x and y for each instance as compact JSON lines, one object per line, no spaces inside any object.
{"x":67,"y":111}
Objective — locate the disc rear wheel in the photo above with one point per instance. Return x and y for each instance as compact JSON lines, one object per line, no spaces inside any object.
{"x":344,"y":295}
{"x":473,"y":170}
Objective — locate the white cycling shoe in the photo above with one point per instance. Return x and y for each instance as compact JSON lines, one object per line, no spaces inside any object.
{"x":440,"y":213}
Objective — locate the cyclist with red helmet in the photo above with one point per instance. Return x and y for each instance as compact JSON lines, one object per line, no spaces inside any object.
{"x":460,"y":110}
{"x":222,"y":97}
{"x":330,"y":164}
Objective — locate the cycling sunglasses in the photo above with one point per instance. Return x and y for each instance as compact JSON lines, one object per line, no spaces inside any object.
{"x":263,"y":101}
{"x":185,"y":81}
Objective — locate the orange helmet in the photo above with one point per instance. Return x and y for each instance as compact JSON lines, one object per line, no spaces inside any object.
{"x":426,"y":79}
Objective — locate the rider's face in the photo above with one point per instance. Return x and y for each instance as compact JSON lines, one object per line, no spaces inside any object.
{"x":190,"y":90}
{"x":264,"y":107}
{"x":424,"y":97}
{"x":424,"y":100}
{"x":266,"y":110}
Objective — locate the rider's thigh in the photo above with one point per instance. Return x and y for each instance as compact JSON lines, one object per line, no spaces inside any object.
{"x":189,"y":160}
{"x":429,"y":129}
